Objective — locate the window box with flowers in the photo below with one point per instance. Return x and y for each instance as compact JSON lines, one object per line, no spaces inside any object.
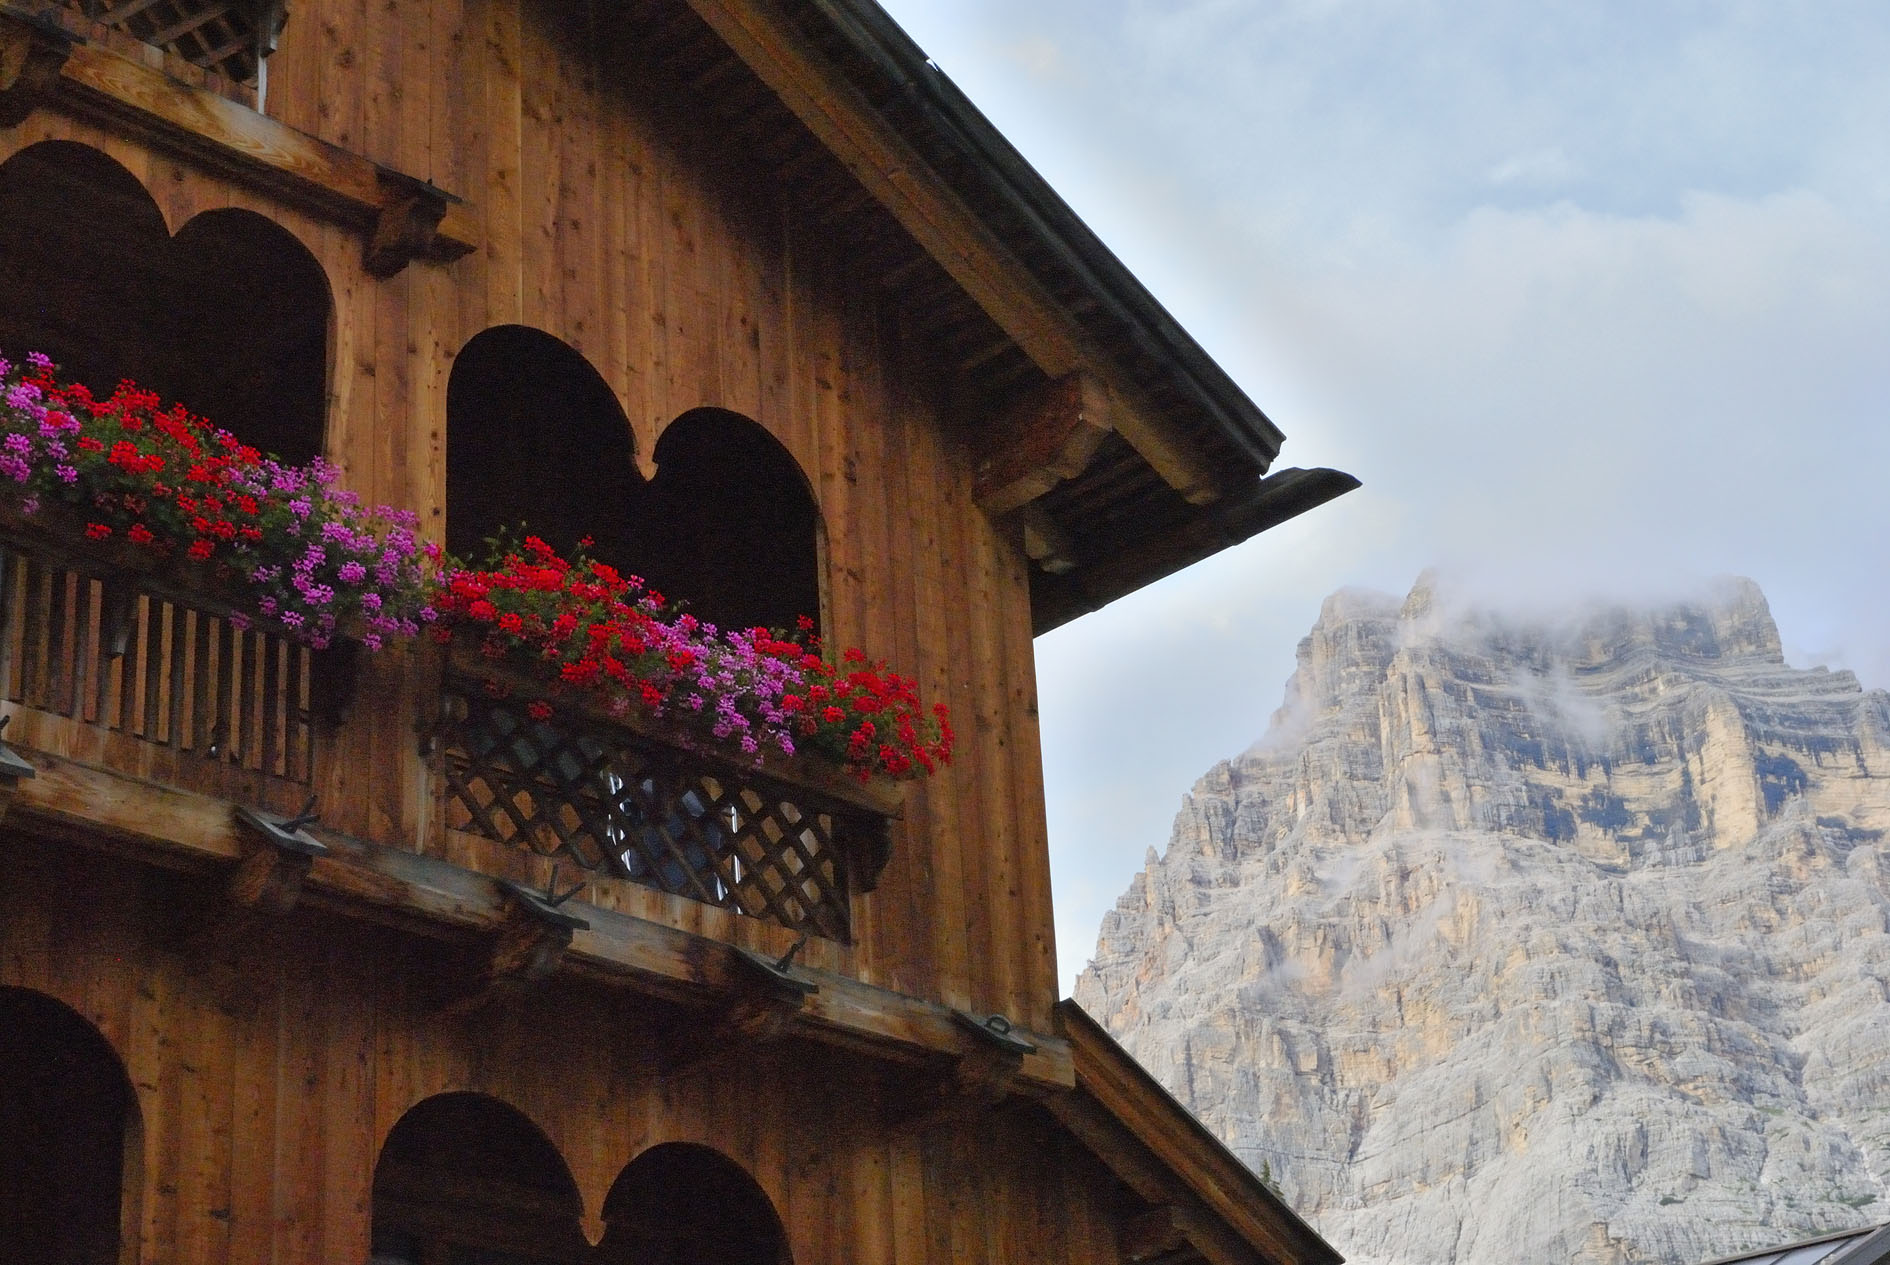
{"x":166,"y":581}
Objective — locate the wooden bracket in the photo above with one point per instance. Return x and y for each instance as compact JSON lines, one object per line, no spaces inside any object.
{"x":1045,"y":541}
{"x":408,"y":225}
{"x":989,"y":1069}
{"x":1050,"y":435}
{"x":527,"y":948}
{"x":1164,"y":1235}
{"x":33,"y":50}
{"x":768,"y":994}
{"x":269,"y":878}
{"x":267,"y":883}
{"x":978,"y":1079}
{"x":13,"y":770}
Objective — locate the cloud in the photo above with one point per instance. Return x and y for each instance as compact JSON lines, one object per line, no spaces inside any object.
{"x":1547,"y":168}
{"x":1592,"y":297}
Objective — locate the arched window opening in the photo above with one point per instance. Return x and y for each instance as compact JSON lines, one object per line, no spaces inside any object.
{"x":464,"y":1179}
{"x":731,"y":528}
{"x":68,"y":1137}
{"x":682,"y":1204}
{"x":535,"y":437}
{"x":230,"y":317}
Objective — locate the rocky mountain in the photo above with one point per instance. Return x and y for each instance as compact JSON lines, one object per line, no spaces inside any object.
{"x":1545,"y":941}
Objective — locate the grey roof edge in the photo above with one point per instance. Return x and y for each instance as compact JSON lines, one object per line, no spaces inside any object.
{"x":1872,"y":1249}
{"x":872,"y":33}
{"x":1876,"y":1239}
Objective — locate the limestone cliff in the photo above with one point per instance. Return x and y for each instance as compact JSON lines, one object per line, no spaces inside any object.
{"x":1556,"y":941}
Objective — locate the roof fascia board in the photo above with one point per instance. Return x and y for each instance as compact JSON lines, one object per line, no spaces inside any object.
{"x":873,"y":32}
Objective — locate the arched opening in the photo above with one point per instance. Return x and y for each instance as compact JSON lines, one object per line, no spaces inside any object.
{"x":535,"y":438}
{"x":464,"y":1179}
{"x":230,"y":317}
{"x":683,"y":1204}
{"x":69,"y":1138}
{"x":731,"y":527}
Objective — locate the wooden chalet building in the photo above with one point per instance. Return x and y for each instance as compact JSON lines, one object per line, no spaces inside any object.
{"x":747,"y":291}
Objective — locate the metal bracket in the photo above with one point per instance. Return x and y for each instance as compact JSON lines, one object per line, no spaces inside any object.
{"x":995,"y":1031}
{"x":544,"y":906}
{"x":776,"y":977}
{"x":285,"y":834}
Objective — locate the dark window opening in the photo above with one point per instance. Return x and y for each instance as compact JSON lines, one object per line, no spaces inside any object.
{"x":464,"y":1179}
{"x":535,"y":437}
{"x":230,"y":317}
{"x":731,"y":528}
{"x":682,"y":1204}
{"x":68,"y":1132}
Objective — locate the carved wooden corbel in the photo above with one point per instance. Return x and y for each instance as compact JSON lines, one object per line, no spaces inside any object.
{"x":265,"y":885}
{"x":527,"y":948}
{"x":407,"y":227}
{"x":980,"y":1078}
{"x":768,"y":994}
{"x":269,"y":879}
{"x":33,"y":50}
{"x":1050,"y":435}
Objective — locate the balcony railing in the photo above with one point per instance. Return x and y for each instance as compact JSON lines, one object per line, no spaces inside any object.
{"x":787,"y":841}
{"x":108,"y":661}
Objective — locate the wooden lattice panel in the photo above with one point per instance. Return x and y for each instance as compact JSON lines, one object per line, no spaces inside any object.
{"x":103,"y":654}
{"x":222,"y":36}
{"x":618,"y":803}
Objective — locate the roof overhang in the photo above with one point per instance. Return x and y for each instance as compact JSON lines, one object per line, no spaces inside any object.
{"x":1180,"y":472}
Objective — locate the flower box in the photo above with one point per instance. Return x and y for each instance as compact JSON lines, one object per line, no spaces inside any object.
{"x":637,"y":797}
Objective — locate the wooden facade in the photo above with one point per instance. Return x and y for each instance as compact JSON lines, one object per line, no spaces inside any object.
{"x":715,"y":207}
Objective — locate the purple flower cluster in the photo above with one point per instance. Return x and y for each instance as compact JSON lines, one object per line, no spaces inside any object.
{"x":315,"y":559}
{"x":331,"y":557}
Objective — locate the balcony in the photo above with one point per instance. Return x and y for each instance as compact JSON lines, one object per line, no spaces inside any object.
{"x":785,"y":840}
{"x":109,"y":661}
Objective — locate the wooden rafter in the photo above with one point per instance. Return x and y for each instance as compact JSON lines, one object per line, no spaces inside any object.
{"x":939,"y":220}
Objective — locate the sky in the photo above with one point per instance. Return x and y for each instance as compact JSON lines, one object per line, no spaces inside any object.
{"x":1594,"y":297}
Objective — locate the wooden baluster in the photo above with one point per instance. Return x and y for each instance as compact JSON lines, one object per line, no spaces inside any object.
{"x":176,"y":656}
{"x":9,"y":586}
{"x":157,"y":651}
{"x":35,"y":635}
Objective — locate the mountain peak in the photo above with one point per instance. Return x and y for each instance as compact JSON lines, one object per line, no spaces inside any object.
{"x":1534,"y":935}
